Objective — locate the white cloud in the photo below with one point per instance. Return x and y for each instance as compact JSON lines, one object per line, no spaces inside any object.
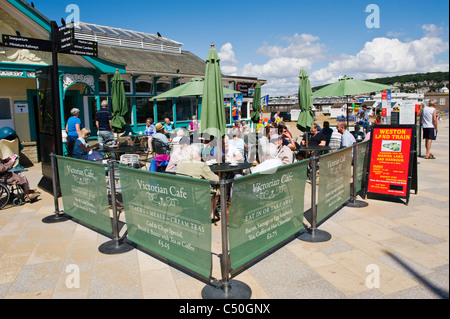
{"x":380,"y":57}
{"x":228,"y":62}
{"x":383,"y":57}
{"x":302,"y":46}
{"x":432,"y":30}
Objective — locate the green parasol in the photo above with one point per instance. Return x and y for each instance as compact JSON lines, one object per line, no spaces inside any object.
{"x":305,"y":102}
{"x":213,"y":107}
{"x":118,"y":103}
{"x":348,"y":86}
{"x":255,"y":115}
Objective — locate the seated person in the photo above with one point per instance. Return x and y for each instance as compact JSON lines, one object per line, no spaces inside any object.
{"x":236,"y":129}
{"x":363,"y":117}
{"x":377,"y":120}
{"x":347,"y":139}
{"x":181,"y":132}
{"x":160,"y":142}
{"x":168,"y":128}
{"x":238,"y":143}
{"x":315,"y":138}
{"x":13,"y":177}
{"x":284,"y":153}
{"x":270,"y":160}
{"x":191,"y":165}
{"x":286,"y":136}
{"x":327,"y":132}
{"x":83,"y":151}
{"x":230,"y":151}
{"x":357,"y":133}
{"x":176,"y":155}
{"x":245,"y":128}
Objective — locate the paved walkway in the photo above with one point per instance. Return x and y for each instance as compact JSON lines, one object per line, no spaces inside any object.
{"x":407,"y":245}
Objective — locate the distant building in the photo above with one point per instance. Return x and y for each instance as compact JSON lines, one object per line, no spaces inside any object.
{"x":442,"y":100}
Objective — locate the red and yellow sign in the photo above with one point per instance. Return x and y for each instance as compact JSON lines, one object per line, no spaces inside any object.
{"x":390,"y":160}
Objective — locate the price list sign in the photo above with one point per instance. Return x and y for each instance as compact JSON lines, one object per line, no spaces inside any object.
{"x":170,"y":216}
{"x":390,"y":160}
{"x":266,"y":208}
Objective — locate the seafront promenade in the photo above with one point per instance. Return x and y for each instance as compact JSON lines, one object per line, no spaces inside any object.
{"x":387,"y":250}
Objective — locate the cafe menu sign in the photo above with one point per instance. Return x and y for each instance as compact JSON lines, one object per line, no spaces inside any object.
{"x":390,"y":160}
{"x":84,"y":192}
{"x":266,"y":208}
{"x":170,"y":216}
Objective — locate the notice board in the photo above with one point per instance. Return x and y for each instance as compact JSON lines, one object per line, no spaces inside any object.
{"x":391,"y":160}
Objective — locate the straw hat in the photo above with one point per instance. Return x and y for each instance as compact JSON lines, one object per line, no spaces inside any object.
{"x":159,"y":127}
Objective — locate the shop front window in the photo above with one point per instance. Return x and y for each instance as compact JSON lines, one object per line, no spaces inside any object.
{"x":127,"y":86}
{"x":102,"y":86}
{"x":144,"y":87}
{"x":144,"y":109}
{"x":162,"y":87}
{"x":165,"y":109}
{"x":186,"y":108}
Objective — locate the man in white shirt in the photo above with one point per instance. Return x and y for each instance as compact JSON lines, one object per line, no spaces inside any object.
{"x":347,"y":138}
{"x":270,"y":161}
{"x":231,"y":152}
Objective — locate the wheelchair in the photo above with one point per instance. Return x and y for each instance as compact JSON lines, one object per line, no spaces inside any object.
{"x":11,"y":191}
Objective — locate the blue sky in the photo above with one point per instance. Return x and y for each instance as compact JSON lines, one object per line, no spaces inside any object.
{"x":273,"y":40}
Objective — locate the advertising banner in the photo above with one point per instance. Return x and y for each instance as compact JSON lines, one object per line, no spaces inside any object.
{"x":390,"y":159}
{"x":334,"y":181}
{"x":84,"y":192}
{"x":362,"y":151}
{"x":169,"y":215}
{"x":265,"y":209}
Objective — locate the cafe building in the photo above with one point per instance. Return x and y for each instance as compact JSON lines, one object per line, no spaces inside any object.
{"x":149,"y":65}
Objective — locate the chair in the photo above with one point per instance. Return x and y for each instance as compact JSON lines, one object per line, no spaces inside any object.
{"x":131,"y":160}
{"x":11,"y":190}
{"x":159,"y":163}
{"x":335,"y":141}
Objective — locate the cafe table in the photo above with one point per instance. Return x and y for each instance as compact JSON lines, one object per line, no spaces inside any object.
{"x":228,"y":168}
{"x":115,"y":152}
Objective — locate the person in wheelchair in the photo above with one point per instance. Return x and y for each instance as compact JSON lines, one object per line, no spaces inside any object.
{"x":13,"y":178}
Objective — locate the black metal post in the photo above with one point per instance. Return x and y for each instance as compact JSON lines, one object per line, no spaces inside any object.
{"x":115,"y":246}
{"x":313,"y":234}
{"x":57,"y":217}
{"x":229,"y":289}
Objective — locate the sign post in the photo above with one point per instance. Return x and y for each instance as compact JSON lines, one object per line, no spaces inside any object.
{"x":50,"y":130}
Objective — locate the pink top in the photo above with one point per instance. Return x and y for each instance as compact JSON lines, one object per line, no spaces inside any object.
{"x":193,"y":127}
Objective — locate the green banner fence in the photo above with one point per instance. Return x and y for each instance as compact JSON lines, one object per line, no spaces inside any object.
{"x":265,"y":210}
{"x":84,"y":192}
{"x":361,"y":166}
{"x":334,"y":181}
{"x":169,"y":215}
